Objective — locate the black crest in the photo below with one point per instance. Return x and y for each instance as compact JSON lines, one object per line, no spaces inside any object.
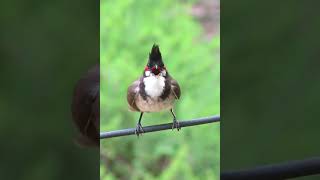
{"x":155,"y":56}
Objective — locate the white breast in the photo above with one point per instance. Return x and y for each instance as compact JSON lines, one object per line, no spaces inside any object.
{"x":154,"y":85}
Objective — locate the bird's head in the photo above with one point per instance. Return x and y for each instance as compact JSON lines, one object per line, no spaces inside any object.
{"x":155,"y":66}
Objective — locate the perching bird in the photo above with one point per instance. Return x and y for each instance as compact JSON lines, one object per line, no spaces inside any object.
{"x":86,"y":107}
{"x":154,"y":91}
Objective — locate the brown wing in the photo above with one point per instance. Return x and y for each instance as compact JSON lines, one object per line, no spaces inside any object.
{"x":132,"y":94}
{"x":175,"y":88}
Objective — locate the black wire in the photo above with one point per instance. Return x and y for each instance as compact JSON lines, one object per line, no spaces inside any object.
{"x":160,"y":127}
{"x":291,"y":169}
{"x":286,"y":170}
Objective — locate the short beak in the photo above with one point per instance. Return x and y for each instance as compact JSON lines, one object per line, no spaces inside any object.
{"x":158,"y":72}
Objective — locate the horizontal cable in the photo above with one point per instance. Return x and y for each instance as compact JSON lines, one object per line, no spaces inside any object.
{"x":160,"y":127}
{"x":291,"y":169}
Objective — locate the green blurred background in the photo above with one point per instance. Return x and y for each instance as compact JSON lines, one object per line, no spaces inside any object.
{"x":45,"y":47}
{"x":270,"y":83}
{"x":188,"y":35}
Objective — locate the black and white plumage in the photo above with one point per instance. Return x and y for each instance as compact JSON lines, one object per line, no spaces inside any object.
{"x":154,"y":91}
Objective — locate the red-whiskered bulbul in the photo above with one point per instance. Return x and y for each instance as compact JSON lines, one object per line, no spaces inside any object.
{"x":154,"y":91}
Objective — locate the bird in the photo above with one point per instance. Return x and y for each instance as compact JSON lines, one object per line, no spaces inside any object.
{"x":85,"y":108}
{"x":156,"y":90}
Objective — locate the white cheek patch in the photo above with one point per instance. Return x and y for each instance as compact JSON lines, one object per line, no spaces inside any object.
{"x":163,"y":72}
{"x":147,"y":73}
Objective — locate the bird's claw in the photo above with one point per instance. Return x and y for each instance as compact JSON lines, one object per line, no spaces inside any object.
{"x":176,"y":124}
{"x":139,"y":130}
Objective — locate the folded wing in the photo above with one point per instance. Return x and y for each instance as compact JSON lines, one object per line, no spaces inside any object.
{"x":175,"y":88}
{"x":132,"y":94}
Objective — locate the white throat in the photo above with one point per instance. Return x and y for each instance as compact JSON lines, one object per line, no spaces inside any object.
{"x":154,"y":85}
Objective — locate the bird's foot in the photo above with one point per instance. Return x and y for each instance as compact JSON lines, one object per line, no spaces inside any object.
{"x":176,"y":124}
{"x":139,"y":130}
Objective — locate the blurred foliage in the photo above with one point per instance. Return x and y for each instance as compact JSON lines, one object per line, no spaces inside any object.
{"x":128,"y":29}
{"x":46,"y":46}
{"x":271,"y":86}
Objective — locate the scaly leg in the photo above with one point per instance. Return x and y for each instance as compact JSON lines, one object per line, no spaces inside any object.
{"x":175,"y":122}
{"x":139,"y":128}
